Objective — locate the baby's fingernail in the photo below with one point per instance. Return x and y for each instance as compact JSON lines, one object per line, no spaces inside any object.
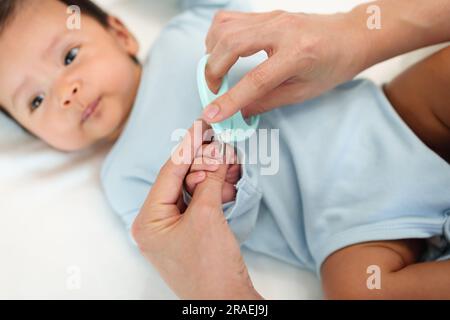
{"x":211,"y":111}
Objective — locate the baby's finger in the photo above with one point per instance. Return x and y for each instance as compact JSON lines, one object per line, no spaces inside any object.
{"x":212,"y":150}
{"x":233,"y":174}
{"x":228,"y":192}
{"x":192,"y":179}
{"x":204,"y":164}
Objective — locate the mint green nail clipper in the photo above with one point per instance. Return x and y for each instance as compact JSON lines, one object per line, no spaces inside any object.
{"x":233,"y":129}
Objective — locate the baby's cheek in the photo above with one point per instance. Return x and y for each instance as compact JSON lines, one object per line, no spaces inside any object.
{"x":59,"y":136}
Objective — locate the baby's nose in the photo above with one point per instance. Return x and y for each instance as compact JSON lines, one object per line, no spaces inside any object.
{"x":69,"y":94}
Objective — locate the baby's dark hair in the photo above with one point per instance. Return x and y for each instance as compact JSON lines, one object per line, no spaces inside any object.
{"x":8,"y":8}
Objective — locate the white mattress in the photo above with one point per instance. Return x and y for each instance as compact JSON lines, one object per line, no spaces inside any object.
{"x":58,"y":237}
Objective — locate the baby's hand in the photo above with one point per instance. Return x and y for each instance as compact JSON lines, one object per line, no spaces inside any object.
{"x":208,"y":160}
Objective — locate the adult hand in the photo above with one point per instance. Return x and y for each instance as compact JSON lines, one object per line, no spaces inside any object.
{"x":206,"y":161}
{"x":194,"y":250}
{"x":307,"y":54}
{"x":311,"y":53}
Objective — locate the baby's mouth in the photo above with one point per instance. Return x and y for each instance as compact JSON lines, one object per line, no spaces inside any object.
{"x":90,"y":110}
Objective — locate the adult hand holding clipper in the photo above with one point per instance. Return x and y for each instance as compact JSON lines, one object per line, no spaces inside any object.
{"x":311,"y":53}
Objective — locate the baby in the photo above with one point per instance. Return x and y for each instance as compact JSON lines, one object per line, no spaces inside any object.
{"x":363,"y":172}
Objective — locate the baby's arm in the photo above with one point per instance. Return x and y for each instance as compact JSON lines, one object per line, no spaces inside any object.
{"x":345,"y":273}
{"x":420,"y":96}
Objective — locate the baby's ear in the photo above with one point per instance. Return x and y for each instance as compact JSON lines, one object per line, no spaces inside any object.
{"x":123,"y":36}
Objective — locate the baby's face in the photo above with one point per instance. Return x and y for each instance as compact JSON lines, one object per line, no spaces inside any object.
{"x":50,"y":76}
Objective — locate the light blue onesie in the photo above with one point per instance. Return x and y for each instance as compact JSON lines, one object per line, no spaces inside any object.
{"x":350,"y":170}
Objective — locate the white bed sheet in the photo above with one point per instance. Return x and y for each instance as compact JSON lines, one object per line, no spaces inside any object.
{"x":58,"y":237}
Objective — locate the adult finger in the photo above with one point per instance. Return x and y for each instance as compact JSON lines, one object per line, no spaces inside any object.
{"x":167,"y":187}
{"x":221,"y":18}
{"x":205,"y":164}
{"x":236,"y":43}
{"x":226,"y":21}
{"x":208,"y":193}
{"x":193,"y":179}
{"x":253,"y":86}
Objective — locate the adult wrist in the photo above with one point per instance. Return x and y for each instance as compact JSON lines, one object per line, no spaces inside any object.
{"x":363,"y":44}
{"x":404,"y":25}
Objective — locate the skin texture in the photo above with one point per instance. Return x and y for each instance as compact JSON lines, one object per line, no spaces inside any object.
{"x":421,"y":96}
{"x":69,"y":81}
{"x":344,"y":273}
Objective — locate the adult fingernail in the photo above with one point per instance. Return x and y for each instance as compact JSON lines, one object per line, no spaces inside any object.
{"x":211,"y":111}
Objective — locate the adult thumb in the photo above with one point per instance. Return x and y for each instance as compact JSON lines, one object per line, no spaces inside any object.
{"x":208,"y":193}
{"x":254,"y":85}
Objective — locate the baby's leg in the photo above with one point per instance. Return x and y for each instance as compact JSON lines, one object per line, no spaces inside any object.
{"x":421,"y":96}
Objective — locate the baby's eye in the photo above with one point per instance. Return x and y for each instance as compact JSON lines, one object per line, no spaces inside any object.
{"x":36,"y":102}
{"x":71,"y":55}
